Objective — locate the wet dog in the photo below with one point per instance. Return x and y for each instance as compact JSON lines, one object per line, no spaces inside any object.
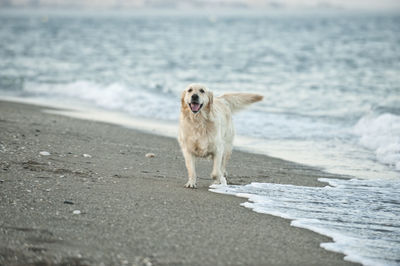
{"x":206,"y":128}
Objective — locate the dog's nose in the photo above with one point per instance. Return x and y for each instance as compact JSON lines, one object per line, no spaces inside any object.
{"x":195,"y":97}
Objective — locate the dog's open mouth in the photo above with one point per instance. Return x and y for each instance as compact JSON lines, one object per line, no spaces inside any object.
{"x":195,"y":107}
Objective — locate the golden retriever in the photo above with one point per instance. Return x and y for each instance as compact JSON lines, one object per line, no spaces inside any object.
{"x":206,"y":128}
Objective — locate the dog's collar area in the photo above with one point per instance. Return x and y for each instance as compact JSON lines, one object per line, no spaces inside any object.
{"x":195,"y":107}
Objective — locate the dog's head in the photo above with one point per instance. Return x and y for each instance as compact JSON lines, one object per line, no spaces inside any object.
{"x":196,"y":97}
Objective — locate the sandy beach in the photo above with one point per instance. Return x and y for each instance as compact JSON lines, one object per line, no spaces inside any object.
{"x":96,"y":199}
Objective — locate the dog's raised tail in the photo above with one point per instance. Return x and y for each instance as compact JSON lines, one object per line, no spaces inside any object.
{"x":238,"y":101}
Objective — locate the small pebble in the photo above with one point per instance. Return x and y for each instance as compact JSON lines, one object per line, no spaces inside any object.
{"x":68,"y":202}
{"x":87,"y":155}
{"x":150,"y":155}
{"x":44,"y":153}
{"x":76,"y":212}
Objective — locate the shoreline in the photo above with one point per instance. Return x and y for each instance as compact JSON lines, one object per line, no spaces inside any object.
{"x":82,"y":110}
{"x":133,"y":209}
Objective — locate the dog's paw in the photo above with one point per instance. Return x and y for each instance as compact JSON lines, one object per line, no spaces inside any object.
{"x":220,"y":181}
{"x":191,"y":184}
{"x":215,"y":185}
{"x":223,"y":181}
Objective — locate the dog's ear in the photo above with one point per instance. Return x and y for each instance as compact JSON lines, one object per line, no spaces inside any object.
{"x":183,"y":104}
{"x":210,"y":99}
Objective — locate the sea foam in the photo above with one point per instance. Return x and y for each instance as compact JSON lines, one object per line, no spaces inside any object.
{"x":361,"y":216}
{"x":382,"y":135}
{"x":114,"y":96}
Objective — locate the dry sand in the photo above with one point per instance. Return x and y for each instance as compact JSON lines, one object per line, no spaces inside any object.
{"x":133,"y":209}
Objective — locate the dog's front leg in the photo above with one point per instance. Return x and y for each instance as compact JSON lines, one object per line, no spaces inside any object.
{"x":217,"y":171}
{"x":190,"y":162}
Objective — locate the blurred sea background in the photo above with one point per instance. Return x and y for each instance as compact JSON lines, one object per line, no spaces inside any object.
{"x":330,"y":77}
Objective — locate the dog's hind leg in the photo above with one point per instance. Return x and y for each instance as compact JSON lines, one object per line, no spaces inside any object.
{"x":190,"y":162}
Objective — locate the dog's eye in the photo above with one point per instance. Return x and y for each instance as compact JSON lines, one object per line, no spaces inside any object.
{"x":190,"y":90}
{"x":201,"y":90}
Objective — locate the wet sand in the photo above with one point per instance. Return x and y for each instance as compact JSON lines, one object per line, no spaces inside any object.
{"x":134,"y":210}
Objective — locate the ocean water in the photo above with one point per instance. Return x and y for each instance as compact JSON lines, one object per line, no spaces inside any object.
{"x":361,"y":216}
{"x":331,"y":81}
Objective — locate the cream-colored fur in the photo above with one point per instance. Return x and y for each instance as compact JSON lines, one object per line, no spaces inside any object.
{"x":209,"y":132}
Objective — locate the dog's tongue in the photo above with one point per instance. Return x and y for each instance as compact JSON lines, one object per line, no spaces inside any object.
{"x":195,"y":107}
